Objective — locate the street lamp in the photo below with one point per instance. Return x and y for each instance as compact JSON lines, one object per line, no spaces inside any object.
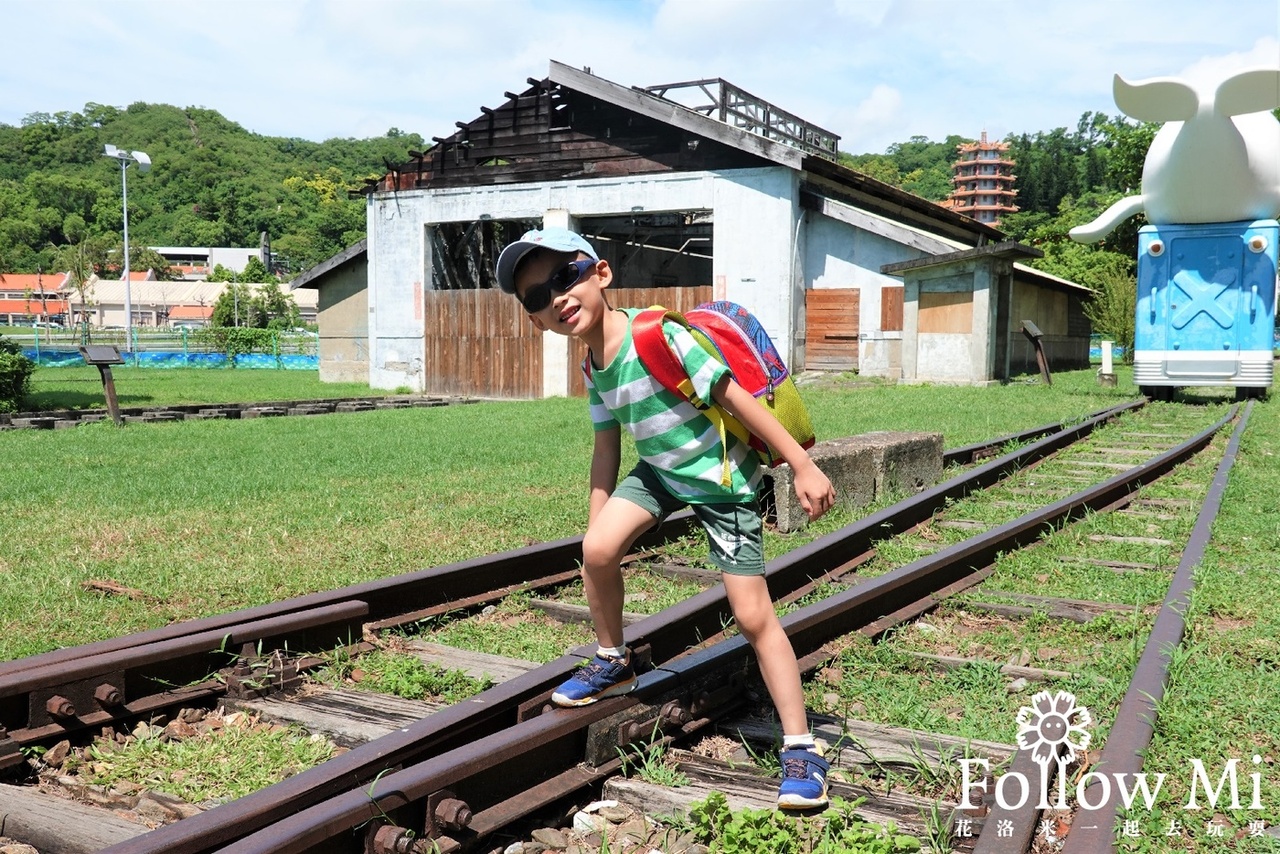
{"x":144,"y":166}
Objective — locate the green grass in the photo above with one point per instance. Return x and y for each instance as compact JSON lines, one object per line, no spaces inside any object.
{"x":81,"y":387}
{"x":230,"y":762}
{"x":209,"y":516}
{"x":401,"y":675}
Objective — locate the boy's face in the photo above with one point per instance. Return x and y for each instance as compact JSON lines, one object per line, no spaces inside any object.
{"x":576,"y":293}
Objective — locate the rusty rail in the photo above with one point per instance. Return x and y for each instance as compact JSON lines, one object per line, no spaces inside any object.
{"x":543,"y":753}
{"x":1135,"y":718}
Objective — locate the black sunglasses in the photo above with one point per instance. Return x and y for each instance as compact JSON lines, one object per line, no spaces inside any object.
{"x":538,"y":297}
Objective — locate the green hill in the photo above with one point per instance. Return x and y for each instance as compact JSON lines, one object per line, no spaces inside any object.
{"x":213,"y":183}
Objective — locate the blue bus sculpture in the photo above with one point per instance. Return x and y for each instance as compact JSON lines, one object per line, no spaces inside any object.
{"x":1206,"y":301}
{"x":1206,"y":307}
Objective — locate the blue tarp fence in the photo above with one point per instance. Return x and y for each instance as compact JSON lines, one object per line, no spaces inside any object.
{"x":291,"y":351}
{"x":161,"y":359}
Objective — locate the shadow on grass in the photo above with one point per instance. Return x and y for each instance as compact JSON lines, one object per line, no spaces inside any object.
{"x":47,"y":401}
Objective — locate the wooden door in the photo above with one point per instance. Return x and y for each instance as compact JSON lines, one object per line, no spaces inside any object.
{"x":831,"y":329}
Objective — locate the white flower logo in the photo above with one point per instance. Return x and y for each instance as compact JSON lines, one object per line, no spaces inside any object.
{"x":1051,"y":721}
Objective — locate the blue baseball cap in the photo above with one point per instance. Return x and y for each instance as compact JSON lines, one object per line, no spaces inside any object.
{"x":555,"y":239}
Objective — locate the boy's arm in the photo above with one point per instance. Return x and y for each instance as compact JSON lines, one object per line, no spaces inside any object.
{"x":812,"y":486}
{"x":605,"y":459}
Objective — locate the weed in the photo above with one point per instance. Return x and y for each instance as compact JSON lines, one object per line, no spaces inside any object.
{"x":651,"y":763}
{"x":403,"y":676}
{"x":228,"y":762}
{"x":838,"y":831}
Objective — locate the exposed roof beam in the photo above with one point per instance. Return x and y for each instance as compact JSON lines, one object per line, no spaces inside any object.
{"x":676,"y":115}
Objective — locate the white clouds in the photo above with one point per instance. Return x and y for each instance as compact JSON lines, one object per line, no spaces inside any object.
{"x":872,"y":71}
{"x":877,"y":115}
{"x":1210,"y":70}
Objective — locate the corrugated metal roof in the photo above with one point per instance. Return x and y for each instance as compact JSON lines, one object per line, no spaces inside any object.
{"x":173,"y":293}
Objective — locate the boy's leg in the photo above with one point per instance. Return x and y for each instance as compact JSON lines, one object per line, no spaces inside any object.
{"x":636,"y":504}
{"x":758,"y":621}
{"x":804,"y":770}
{"x":608,"y":539}
{"x":735,"y":533}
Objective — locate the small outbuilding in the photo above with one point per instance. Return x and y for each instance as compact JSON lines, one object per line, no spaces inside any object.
{"x":342,"y":313}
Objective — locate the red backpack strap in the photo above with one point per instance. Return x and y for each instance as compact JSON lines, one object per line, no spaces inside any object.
{"x":664,"y":364}
{"x":656,"y":354}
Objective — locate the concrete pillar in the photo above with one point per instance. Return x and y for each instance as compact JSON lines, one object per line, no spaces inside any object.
{"x":555,"y":348}
{"x":910,"y":327}
{"x":981,"y":352}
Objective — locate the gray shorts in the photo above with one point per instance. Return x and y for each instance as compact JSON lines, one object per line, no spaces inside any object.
{"x":734,"y":531}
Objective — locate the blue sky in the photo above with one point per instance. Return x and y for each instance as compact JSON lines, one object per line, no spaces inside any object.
{"x":872,"y":71}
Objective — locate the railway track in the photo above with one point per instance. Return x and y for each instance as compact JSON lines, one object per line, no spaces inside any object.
{"x":58,"y":419}
{"x":460,"y":775}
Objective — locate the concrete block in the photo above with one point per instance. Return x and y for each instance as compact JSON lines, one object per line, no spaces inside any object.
{"x":35,"y":423}
{"x":904,"y":462}
{"x":849,"y":465}
{"x":860,"y":468}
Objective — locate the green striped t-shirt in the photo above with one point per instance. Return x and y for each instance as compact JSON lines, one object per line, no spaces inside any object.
{"x":671,"y":434}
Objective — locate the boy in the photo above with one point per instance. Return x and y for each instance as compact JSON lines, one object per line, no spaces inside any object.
{"x":560,"y":281}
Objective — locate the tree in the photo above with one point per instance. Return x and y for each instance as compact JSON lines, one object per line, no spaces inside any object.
{"x":280,"y":310}
{"x":255,"y":271}
{"x":235,"y":307}
{"x":1112,"y":309}
{"x":214,"y":183}
{"x":82,"y":261}
{"x":15,"y":374}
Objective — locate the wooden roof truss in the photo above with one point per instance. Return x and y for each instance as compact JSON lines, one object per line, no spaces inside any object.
{"x":741,"y":109}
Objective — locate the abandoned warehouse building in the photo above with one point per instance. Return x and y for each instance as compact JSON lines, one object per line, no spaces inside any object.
{"x":727,"y":197}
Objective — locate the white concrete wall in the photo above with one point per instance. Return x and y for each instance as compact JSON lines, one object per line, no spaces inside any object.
{"x":755,"y":213}
{"x":767,"y":251}
{"x":840,"y":255}
{"x":398,"y":267}
{"x":756,"y":261}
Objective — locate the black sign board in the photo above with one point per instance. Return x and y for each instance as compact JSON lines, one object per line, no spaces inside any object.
{"x":103,"y":356}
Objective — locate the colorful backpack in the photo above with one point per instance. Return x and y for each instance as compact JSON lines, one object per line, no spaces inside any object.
{"x":735,"y":337}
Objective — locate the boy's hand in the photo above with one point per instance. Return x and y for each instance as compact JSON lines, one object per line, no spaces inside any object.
{"x":814,"y":490}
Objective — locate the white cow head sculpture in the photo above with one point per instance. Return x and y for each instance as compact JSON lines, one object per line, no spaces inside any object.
{"x":1217,"y":158}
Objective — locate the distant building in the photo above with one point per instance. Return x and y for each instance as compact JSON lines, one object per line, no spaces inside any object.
{"x":733,"y":199}
{"x":158,"y":303}
{"x":196,"y":262}
{"x":27,"y":298}
{"x":984,"y":181}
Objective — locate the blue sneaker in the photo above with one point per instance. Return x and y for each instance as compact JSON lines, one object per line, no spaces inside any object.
{"x":804,"y":780}
{"x":603,"y":677}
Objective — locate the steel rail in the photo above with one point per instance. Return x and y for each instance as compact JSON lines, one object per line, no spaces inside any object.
{"x":983,"y":450}
{"x":1136,"y":718}
{"x":549,"y":745}
{"x":1148,"y":682}
{"x":667,"y":635}
{"x":76,"y":688}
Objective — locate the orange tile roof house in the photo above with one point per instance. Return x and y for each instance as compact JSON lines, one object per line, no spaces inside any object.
{"x":27,"y":298}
